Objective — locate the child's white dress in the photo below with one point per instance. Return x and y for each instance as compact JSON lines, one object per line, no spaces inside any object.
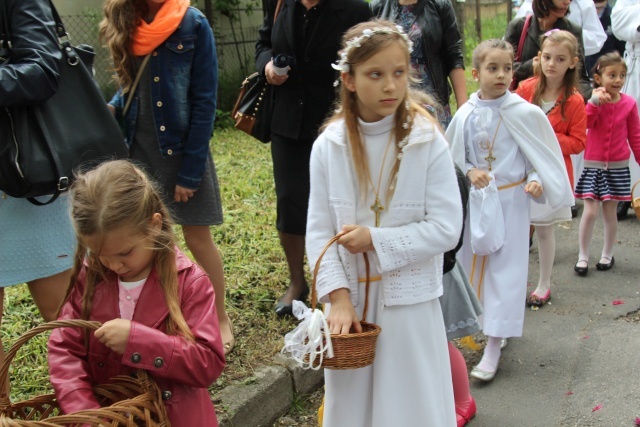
{"x":409,"y":383}
{"x":500,"y":279}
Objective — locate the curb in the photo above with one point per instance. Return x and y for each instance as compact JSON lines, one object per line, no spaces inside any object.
{"x":261,"y":402}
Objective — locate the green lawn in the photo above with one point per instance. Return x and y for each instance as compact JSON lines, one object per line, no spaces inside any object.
{"x":254,"y":266}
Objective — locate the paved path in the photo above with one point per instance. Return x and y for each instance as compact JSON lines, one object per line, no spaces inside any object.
{"x":577,"y":354}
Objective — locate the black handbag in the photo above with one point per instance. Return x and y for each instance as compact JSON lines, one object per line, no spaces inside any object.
{"x":41,"y":145}
{"x":253,"y":109}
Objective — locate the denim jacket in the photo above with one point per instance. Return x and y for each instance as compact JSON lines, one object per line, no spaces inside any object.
{"x":184,"y":82}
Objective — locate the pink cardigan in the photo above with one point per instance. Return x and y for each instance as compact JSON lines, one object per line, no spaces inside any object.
{"x":613,"y":129}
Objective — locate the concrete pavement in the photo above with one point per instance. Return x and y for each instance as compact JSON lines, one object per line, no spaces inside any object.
{"x":577,"y":363}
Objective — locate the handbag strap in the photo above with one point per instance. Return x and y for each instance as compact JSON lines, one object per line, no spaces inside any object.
{"x":134,"y":86}
{"x":277,"y":12}
{"x":523,"y":37}
{"x":5,"y":36}
{"x":63,"y":181}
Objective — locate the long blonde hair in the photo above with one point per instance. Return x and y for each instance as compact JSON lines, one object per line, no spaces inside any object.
{"x":117,"y":29}
{"x":347,"y":101}
{"x":117,"y":194}
{"x":571,"y":77}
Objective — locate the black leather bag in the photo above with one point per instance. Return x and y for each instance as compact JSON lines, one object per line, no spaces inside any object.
{"x":254,"y":107}
{"x":41,"y":145}
{"x":253,"y":110}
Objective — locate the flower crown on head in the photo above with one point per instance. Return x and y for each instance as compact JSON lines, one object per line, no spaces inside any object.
{"x":343,"y":64}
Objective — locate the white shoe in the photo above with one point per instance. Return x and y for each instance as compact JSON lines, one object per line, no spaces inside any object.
{"x":503,"y":343}
{"x":482,"y":374}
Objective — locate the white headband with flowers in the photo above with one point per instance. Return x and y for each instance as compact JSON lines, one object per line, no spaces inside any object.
{"x":343,"y":64}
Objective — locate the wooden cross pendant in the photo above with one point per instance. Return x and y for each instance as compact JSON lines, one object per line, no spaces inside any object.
{"x":490,"y":159}
{"x":377,"y":208}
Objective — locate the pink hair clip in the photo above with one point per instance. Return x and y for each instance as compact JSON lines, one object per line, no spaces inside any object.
{"x":548,"y":33}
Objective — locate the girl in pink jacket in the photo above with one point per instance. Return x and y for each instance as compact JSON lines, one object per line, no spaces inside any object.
{"x":614,"y":131}
{"x":157,"y":308}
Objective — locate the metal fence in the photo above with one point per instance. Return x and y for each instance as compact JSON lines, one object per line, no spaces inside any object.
{"x":235,"y":46}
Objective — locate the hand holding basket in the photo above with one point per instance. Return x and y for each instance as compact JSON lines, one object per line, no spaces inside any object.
{"x":352,"y":350}
{"x":127,"y":400}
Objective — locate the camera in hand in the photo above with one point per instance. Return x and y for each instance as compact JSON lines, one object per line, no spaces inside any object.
{"x":281,"y":64}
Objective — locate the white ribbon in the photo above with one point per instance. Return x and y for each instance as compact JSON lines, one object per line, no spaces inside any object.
{"x":307,"y":337}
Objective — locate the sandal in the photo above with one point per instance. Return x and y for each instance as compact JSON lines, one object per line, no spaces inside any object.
{"x":535,"y":301}
{"x":228,"y":346}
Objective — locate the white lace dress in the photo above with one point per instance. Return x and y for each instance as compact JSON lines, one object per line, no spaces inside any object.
{"x":409,"y":383}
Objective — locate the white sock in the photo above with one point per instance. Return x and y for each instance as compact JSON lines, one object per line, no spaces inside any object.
{"x":491,"y":355}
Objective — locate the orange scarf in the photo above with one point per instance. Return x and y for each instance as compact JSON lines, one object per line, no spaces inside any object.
{"x":150,"y":36}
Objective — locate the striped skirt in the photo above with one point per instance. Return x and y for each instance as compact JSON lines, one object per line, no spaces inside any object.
{"x":604,"y":184}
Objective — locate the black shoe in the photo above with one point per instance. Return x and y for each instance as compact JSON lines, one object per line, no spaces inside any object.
{"x":605,"y":267}
{"x":622,"y":209}
{"x":582,"y":271}
{"x":532,"y":230}
{"x":282,"y":309}
{"x":574,"y":211}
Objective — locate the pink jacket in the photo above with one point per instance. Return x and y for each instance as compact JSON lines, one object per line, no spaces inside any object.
{"x":182,"y":369}
{"x":610,"y":126}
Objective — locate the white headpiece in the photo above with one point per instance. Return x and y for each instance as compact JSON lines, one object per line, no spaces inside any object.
{"x":343,"y":65}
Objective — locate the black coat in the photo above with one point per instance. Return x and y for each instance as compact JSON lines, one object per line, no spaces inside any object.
{"x":301,"y":104}
{"x":449,"y":259}
{"x":32,"y":72}
{"x":523,"y":69}
{"x":441,"y":41}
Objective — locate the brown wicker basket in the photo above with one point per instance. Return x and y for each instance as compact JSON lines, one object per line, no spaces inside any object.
{"x":127,"y":401}
{"x":635,"y":201}
{"x":352,"y":350}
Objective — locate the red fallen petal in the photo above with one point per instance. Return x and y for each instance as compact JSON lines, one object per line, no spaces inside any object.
{"x":585,"y":337}
{"x":596,"y":408}
{"x":617,"y":302}
{"x":637,"y":421}
{"x":569,"y":393}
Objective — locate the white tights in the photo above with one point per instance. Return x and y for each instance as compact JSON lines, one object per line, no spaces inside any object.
{"x":591,"y":208}
{"x":547,"y":253}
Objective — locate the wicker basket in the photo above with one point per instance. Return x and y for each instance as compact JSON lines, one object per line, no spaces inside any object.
{"x":352,"y":350}
{"x":127,"y":401}
{"x":635,"y":201}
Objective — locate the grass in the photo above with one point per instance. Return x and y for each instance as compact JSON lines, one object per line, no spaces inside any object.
{"x":255,"y":272}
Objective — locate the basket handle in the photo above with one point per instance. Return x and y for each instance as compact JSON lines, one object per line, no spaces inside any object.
{"x":9,"y":356}
{"x":314,"y":292}
{"x":634,"y":187}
